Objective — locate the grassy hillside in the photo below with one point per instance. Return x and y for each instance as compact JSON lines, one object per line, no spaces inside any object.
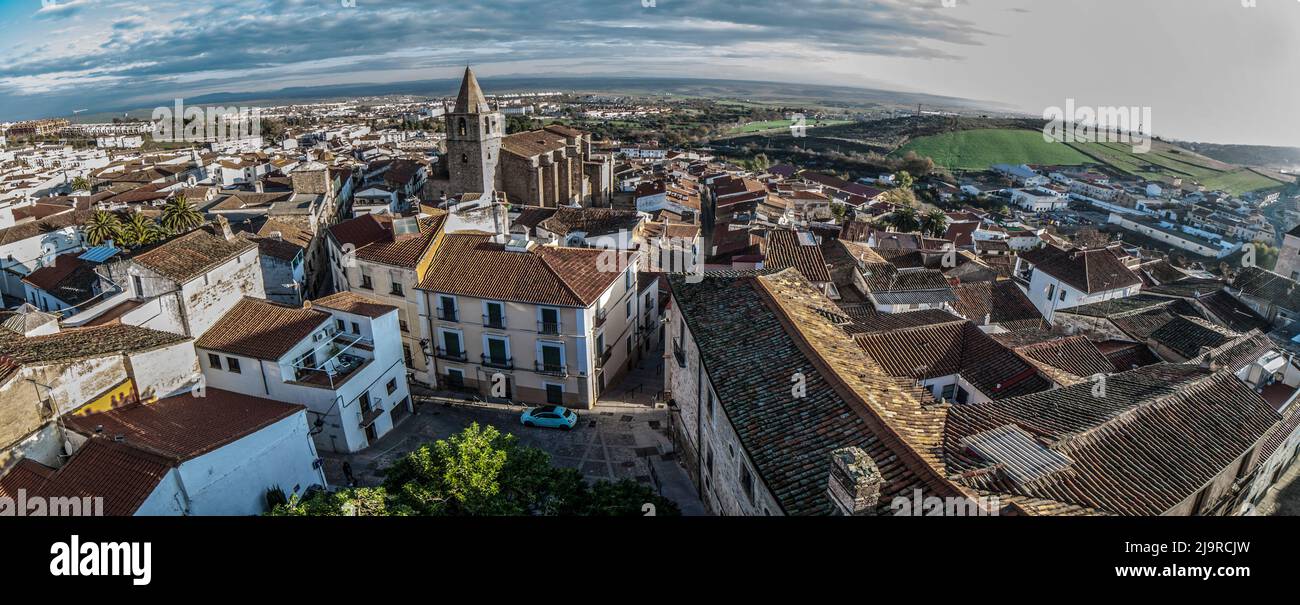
{"x":978,"y":149}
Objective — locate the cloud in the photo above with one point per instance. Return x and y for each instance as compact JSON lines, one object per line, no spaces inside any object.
{"x":189,"y":42}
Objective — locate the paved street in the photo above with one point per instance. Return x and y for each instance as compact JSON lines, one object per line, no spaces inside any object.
{"x":625,"y":437}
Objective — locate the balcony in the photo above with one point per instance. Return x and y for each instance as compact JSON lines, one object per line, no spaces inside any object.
{"x":552,"y":369}
{"x":344,"y":353}
{"x":500,"y":363}
{"x":603,"y":358}
{"x":443,"y":353}
{"x":601,"y":315}
{"x":496,"y":322}
{"x":679,"y":353}
{"x":448,"y":315}
{"x":549,"y":328}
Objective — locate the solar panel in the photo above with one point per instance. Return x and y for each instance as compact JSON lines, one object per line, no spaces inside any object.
{"x":1023,"y":459}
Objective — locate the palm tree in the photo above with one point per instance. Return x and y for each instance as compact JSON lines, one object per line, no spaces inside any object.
{"x":935,"y":223}
{"x":179,"y":215}
{"x":102,"y":226}
{"x":81,"y":183}
{"x":140,"y":231}
{"x":904,"y":220}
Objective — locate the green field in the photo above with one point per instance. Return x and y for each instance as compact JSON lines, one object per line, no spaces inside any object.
{"x":753,"y":127}
{"x":979,"y":149}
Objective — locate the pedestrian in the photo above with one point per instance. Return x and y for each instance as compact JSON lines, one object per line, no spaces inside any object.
{"x":347,"y":472}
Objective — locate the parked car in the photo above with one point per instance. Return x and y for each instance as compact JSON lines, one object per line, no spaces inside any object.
{"x":550,"y":416}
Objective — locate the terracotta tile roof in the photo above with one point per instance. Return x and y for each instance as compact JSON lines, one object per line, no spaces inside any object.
{"x":1001,"y":302}
{"x":122,"y":475}
{"x":373,"y":237}
{"x":1187,"y":335}
{"x":183,"y":427}
{"x":1229,"y":311}
{"x":356,"y":304}
{"x":78,"y":343}
{"x":1126,"y":355}
{"x":865,"y":319}
{"x":534,"y":143}
{"x":1090,"y":271}
{"x":261,"y":329}
{"x":473,"y":265}
{"x":785,"y":250}
{"x":39,"y":228}
{"x":1269,"y":286}
{"x":69,"y":279}
{"x":1153,"y":439}
{"x":938,"y":350}
{"x":753,"y":334}
{"x":1074,"y":355}
{"x":193,"y":254}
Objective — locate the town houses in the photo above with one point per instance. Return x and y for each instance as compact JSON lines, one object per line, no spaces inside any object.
{"x":207,"y":330}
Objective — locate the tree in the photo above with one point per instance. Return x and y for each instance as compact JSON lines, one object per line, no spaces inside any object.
{"x":916,"y":165}
{"x":81,"y":183}
{"x":904,"y":220}
{"x":904,"y":180}
{"x":101,"y":227}
{"x":481,"y":471}
{"x":935,"y":223}
{"x":140,"y":231}
{"x":179,"y":215}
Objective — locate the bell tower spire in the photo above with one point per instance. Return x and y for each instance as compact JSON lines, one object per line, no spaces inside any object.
{"x":474,"y":134}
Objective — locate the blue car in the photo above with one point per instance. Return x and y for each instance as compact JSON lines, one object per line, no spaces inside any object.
{"x":550,"y":416}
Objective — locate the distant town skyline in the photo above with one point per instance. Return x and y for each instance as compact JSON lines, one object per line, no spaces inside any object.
{"x":1209,"y":70}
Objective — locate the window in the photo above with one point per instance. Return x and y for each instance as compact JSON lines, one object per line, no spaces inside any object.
{"x":554,"y":394}
{"x":455,"y":378}
{"x":214,"y":361}
{"x":447,"y":308}
{"x":406,"y":355}
{"x":1051,"y":291}
{"x":401,"y":324}
{"x":461,"y":128}
{"x":232,"y":364}
{"x":627,"y":279}
{"x":549,"y":322}
{"x":365,"y":282}
{"x":397,"y":289}
{"x":391,"y":386}
{"x":342,"y":326}
{"x":747,"y":481}
{"x":356,"y":328}
{"x":708,"y":461}
{"x":712,"y":401}
{"x":138,"y":286}
{"x":494,"y":315}
{"x":627,"y":308}
{"x":1062,"y":294}
{"x":949,"y":392}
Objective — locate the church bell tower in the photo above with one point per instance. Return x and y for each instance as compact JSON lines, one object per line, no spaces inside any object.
{"x":474,"y":133}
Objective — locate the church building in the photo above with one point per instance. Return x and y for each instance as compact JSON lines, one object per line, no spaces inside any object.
{"x":550,"y":167}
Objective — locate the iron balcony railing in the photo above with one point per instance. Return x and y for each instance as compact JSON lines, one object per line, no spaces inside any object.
{"x":461,"y":355}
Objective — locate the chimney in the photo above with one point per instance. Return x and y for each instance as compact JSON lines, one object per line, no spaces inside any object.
{"x":223,"y":224}
{"x":854,"y":482}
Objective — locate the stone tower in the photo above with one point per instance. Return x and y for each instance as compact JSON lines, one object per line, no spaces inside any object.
{"x":474,"y":133}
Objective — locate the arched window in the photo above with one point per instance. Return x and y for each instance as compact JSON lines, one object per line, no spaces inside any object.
{"x":488,"y":123}
{"x":462,"y":127}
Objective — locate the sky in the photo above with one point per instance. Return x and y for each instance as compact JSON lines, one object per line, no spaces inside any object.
{"x":1209,"y":70}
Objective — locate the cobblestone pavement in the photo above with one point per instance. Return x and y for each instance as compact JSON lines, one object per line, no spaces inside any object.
{"x":625,"y":437}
